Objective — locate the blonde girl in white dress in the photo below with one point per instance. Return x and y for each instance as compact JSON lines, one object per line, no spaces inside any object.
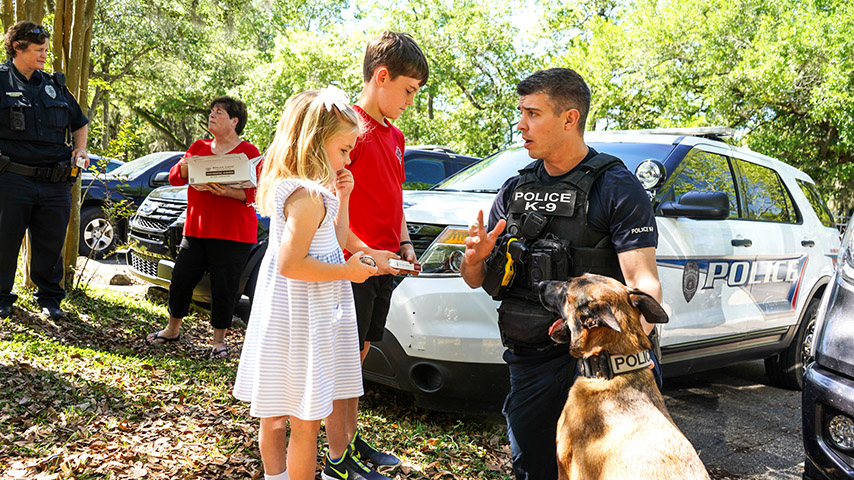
{"x":301,"y":352}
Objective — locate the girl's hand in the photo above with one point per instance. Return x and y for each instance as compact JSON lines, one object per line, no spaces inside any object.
{"x":344,"y":183}
{"x":357,"y":271}
{"x":200,"y":187}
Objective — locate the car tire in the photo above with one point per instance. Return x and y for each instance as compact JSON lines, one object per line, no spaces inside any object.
{"x":787,"y":368}
{"x":97,"y":235}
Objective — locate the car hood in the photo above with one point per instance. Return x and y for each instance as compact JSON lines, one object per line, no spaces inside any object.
{"x":175,"y":194}
{"x":445,"y":208}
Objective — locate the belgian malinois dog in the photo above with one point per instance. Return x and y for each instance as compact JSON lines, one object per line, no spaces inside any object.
{"x":614,"y":425}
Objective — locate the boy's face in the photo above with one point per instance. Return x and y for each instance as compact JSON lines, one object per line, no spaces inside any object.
{"x":395,"y":95}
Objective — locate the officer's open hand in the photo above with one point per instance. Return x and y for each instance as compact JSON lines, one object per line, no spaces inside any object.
{"x":479,"y":243}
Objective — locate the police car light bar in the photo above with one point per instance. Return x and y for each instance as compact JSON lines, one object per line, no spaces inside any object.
{"x":705,"y":132}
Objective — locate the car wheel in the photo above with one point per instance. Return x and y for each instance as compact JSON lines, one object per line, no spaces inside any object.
{"x":97,"y":234}
{"x":787,"y":369}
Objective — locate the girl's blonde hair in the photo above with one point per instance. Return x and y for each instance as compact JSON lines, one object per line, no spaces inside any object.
{"x":311,"y":119}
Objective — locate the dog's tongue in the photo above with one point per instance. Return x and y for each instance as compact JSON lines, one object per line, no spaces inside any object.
{"x":555,"y":325}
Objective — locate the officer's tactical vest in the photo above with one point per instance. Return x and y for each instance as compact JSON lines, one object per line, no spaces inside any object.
{"x":53,"y":118}
{"x":522,"y":319}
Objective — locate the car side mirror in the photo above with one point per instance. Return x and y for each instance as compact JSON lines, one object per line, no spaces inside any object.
{"x":160,"y":178}
{"x":699,"y":205}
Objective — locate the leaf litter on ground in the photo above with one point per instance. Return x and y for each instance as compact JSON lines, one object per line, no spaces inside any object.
{"x":86,"y":398}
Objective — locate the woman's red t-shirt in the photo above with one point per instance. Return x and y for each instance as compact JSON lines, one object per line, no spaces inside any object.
{"x":212,"y":216}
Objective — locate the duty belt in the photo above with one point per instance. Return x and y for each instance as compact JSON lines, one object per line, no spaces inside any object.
{"x":60,"y":172}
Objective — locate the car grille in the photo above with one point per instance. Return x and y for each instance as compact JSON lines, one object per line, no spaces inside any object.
{"x":160,"y":217}
{"x":144,"y":265}
{"x":422,"y":235}
{"x":151,"y":223}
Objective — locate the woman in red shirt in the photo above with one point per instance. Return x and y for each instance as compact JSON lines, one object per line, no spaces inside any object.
{"x":220,"y":230}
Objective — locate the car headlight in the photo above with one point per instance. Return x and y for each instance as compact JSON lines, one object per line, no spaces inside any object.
{"x":445,"y":255}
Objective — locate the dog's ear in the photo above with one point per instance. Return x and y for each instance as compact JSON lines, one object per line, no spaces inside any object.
{"x":651,"y":309}
{"x":598,"y":314}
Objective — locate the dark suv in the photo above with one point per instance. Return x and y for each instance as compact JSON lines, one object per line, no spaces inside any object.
{"x":132,"y":181}
{"x":427,"y":165}
{"x":828,"y":399}
{"x":156,"y":229}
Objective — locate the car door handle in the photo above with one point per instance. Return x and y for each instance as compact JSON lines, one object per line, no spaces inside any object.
{"x":807,"y":243}
{"x":739,"y":242}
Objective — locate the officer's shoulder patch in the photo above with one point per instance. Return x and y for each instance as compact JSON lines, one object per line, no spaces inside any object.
{"x":4,"y":67}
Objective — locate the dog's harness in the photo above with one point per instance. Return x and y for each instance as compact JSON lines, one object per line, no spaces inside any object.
{"x":608,"y":366}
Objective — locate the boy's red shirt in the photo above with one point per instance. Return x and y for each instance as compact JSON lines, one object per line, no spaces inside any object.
{"x":376,"y":204}
{"x":212,"y":216}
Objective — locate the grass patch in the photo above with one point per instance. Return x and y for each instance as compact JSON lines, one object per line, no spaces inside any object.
{"x":86,"y":398}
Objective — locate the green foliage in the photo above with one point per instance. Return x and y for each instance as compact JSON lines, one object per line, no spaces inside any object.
{"x":779,"y":71}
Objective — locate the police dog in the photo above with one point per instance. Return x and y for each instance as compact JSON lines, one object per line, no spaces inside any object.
{"x":614,"y":424}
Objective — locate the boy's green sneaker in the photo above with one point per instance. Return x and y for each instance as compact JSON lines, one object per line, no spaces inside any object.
{"x":366,"y":452}
{"x":349,"y":467}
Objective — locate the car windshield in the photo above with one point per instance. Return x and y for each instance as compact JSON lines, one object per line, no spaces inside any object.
{"x":133,"y":168}
{"x":489,"y":174}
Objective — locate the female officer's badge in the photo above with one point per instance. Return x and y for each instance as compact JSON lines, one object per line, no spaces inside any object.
{"x":48,"y":89}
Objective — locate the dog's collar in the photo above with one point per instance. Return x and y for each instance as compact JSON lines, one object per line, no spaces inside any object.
{"x":606,"y":365}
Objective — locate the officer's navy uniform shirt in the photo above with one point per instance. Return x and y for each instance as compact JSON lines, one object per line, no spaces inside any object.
{"x":43,"y":142}
{"x":617,"y":204}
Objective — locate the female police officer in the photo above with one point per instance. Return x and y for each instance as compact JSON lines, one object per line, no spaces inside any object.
{"x":36,"y":112}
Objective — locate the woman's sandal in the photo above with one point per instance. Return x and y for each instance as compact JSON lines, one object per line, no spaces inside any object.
{"x":218,"y":353}
{"x":156,"y":339}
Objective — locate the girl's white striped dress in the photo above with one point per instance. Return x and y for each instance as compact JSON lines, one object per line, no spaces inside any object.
{"x":301,"y":350}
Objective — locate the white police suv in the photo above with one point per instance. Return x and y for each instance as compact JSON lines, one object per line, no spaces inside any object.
{"x":746,"y":248}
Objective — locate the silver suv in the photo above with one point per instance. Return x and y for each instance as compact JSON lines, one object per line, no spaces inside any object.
{"x":746,"y":248}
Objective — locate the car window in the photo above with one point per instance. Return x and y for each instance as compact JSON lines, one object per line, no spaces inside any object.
{"x":423,"y":170}
{"x":704,"y":171}
{"x":490,"y":173}
{"x":132,"y":169}
{"x":765,"y":196}
{"x":817,"y":203}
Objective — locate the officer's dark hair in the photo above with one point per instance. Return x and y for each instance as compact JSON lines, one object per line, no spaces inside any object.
{"x":234,"y":108}
{"x":399,"y":53}
{"x":21,"y":35}
{"x":565,"y":88}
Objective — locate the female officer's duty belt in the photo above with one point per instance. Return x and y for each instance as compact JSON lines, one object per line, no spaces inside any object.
{"x":61,"y":172}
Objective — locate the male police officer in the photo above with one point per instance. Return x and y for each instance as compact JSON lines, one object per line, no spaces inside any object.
{"x":36,"y":112}
{"x":571,"y":211}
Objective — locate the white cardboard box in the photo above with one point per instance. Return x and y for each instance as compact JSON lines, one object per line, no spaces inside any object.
{"x":234,"y":169}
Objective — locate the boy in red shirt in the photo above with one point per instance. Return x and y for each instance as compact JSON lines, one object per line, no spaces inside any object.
{"x":394,"y":69}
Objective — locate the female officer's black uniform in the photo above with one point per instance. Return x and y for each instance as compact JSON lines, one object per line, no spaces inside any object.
{"x":36,"y":116}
